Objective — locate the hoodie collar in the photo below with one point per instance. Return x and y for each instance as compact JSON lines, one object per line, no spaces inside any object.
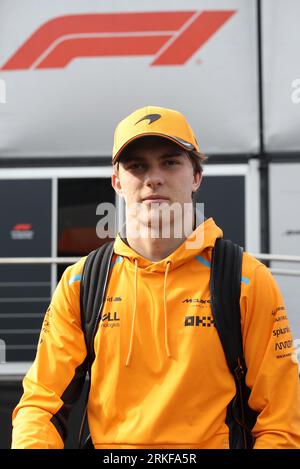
{"x":206,"y":234}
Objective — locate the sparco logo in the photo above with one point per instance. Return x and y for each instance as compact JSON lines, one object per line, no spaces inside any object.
{"x":203,"y":321}
{"x":172,"y":38}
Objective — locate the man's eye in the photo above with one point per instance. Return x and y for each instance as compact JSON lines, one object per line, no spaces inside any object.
{"x":172,"y":162}
{"x":136,"y":166}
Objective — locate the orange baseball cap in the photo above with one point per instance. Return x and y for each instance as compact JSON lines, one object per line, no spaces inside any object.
{"x":154,"y":120}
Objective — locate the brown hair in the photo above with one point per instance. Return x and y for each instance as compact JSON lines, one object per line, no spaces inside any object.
{"x":197,"y":159}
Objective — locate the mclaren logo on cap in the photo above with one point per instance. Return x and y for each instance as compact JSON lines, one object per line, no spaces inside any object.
{"x":151,"y":117}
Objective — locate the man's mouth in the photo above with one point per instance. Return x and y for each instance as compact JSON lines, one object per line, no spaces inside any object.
{"x":155,"y":199}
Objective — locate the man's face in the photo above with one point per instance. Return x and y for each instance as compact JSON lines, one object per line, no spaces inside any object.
{"x":155,"y":173}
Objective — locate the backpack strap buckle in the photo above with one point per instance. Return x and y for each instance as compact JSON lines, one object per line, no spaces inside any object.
{"x":239,"y":372}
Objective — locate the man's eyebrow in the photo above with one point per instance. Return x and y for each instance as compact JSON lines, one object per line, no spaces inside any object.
{"x":173,"y":153}
{"x":168,"y":154}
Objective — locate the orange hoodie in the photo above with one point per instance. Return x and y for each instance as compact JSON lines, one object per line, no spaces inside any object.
{"x":160,"y":378}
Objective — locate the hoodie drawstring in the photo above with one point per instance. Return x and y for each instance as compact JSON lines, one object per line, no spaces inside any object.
{"x":134,"y":312}
{"x":165,"y":311}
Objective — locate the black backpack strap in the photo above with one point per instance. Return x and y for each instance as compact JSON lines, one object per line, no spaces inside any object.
{"x":93,"y":286}
{"x":225,"y":288}
{"x":94,"y":281}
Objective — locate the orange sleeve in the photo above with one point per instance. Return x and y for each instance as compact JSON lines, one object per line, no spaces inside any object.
{"x":55,"y":379}
{"x":273,"y":374}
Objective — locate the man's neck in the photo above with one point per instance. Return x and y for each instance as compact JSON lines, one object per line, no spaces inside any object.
{"x":156,"y":248}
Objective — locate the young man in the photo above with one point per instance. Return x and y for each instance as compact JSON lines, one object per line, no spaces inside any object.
{"x":158,"y":379}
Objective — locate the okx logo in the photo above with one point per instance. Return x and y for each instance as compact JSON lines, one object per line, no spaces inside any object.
{"x":170,"y":37}
{"x":202,"y":321}
{"x":110,"y":320}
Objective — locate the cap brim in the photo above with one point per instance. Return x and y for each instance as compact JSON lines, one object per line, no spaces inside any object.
{"x":179,"y":141}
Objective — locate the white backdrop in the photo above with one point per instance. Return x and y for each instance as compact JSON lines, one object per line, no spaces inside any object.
{"x":281,"y":68}
{"x":285,"y":232}
{"x":197,"y":56}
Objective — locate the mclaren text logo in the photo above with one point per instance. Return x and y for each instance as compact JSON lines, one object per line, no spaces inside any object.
{"x":171,"y":38}
{"x":110,"y":320}
{"x":197,"y":300}
{"x":203,"y":321}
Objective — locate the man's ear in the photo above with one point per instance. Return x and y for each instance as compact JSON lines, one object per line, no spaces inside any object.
{"x":197,"y":181}
{"x":115,"y":182}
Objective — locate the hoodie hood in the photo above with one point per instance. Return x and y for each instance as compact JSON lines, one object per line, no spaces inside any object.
{"x":201,"y":239}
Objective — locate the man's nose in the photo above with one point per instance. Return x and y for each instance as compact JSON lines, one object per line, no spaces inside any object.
{"x":154,"y":177}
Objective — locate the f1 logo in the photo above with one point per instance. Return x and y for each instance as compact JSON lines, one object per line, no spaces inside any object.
{"x":171,"y":37}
